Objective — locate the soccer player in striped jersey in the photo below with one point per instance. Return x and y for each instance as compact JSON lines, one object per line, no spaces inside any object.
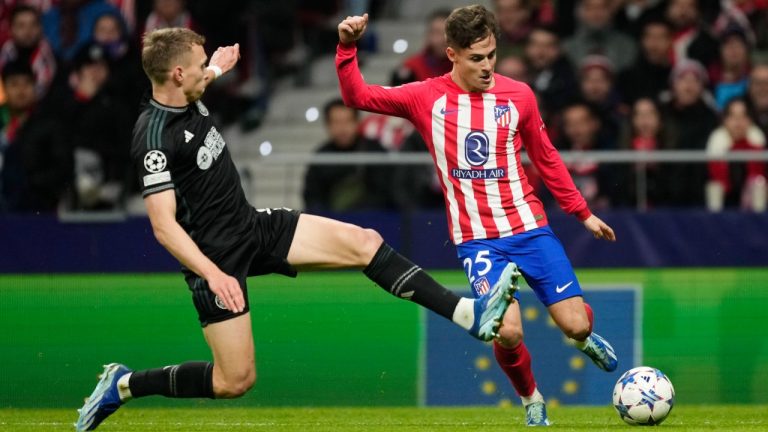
{"x":199,"y":213}
{"x":475,"y":124}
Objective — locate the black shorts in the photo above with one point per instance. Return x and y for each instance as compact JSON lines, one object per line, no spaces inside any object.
{"x":262,"y":252}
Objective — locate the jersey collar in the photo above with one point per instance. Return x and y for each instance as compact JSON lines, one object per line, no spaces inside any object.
{"x":158,"y":105}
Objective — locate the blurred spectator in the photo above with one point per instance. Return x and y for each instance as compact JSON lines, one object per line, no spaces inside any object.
{"x":736,"y":184}
{"x":644,"y":132}
{"x":27,"y":45}
{"x":732,"y":19}
{"x":100,"y":128}
{"x":551,"y":74}
{"x":596,"y":75}
{"x":169,"y":13}
{"x":581,"y":132}
{"x":731,"y":74}
{"x":634,"y":15}
{"x":126,"y":78}
{"x":69,"y":25}
{"x":432,"y":60}
{"x":649,"y":76}
{"x":35,"y":159}
{"x":513,"y":67}
{"x":691,"y":39}
{"x":758,"y":96}
{"x":346,"y":187}
{"x":515,"y":18}
{"x":595,"y":35}
{"x":416,"y":187}
{"x":756,"y":12}
{"x":689,"y":119}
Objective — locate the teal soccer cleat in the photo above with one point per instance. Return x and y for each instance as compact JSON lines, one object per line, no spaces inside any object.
{"x":104,"y":400}
{"x":490,"y":307}
{"x":601,"y":352}
{"x":536,"y":414}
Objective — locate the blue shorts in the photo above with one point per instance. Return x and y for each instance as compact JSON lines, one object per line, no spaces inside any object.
{"x":539,"y":255}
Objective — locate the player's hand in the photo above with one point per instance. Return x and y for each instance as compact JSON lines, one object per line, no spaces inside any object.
{"x":599,"y":229}
{"x":352,"y":28}
{"x":228,"y":290}
{"x":226,"y":57}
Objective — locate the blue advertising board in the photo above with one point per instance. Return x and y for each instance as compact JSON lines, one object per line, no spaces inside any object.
{"x":461,"y":371}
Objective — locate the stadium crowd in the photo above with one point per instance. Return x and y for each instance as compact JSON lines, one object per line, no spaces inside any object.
{"x":609,"y":74}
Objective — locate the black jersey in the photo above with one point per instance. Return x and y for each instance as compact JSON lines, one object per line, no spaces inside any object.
{"x":180,"y":148}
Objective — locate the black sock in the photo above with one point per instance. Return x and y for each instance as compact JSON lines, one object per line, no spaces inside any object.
{"x":404,"y":279}
{"x":187,"y":380}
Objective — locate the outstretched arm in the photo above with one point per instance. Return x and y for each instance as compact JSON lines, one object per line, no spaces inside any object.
{"x":161,"y":208}
{"x":554,"y":173}
{"x":222,"y":61}
{"x":398,"y":101}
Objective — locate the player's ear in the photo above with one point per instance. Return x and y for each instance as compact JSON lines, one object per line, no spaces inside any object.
{"x":177,"y":74}
{"x":452,"y":54}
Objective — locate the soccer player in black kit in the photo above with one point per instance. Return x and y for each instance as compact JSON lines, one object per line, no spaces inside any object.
{"x":199,"y":213}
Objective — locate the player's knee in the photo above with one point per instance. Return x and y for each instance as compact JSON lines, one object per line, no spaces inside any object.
{"x":369,"y":241}
{"x":577,"y":328}
{"x":236,"y":385}
{"x":510,"y":336}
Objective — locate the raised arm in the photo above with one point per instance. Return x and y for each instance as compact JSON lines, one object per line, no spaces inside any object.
{"x":399,"y":101}
{"x":161,"y":207}
{"x":556,"y":177}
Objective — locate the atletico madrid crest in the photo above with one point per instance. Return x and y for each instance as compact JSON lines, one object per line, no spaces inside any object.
{"x":502,"y":115}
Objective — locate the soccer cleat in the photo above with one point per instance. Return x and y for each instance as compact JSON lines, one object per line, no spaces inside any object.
{"x":490,"y":307}
{"x":536,"y":414}
{"x":104,"y":400}
{"x":601,"y":352}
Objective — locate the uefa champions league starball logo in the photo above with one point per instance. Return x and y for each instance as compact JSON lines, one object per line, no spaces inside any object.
{"x":155,"y":161}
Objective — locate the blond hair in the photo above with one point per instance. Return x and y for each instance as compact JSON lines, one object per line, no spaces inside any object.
{"x":163,"y":48}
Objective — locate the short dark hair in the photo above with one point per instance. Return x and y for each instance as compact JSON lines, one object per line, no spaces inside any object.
{"x":469,"y":24}
{"x":17,"y":67}
{"x":336,"y":103}
{"x":22,"y":8}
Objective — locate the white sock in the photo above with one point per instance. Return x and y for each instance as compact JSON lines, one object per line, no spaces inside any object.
{"x":464,"y":314}
{"x":580,"y":345}
{"x":535,"y":397}
{"x":122,"y":388}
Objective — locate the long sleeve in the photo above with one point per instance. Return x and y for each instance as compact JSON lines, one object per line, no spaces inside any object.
{"x":399,"y":101}
{"x":547,"y":161}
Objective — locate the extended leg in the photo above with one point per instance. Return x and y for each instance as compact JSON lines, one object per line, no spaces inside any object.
{"x":231,"y":374}
{"x":575,"y":319}
{"x":326,"y":243}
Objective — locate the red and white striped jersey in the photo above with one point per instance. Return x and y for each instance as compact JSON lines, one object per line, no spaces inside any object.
{"x":475,"y":140}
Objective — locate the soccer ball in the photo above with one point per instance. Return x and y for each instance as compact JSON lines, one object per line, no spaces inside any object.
{"x":643,"y":396}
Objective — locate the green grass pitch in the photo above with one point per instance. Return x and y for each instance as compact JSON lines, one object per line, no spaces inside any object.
{"x":136,"y":418}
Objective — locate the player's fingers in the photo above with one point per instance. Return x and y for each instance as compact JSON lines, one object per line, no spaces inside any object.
{"x":609,"y":234}
{"x":237,"y":296}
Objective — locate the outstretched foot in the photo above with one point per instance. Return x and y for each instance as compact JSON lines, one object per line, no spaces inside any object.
{"x":536,"y":414}
{"x":490,"y":307}
{"x":601,"y":352}
{"x":104,"y":400}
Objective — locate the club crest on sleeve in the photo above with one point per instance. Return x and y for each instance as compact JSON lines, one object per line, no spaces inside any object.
{"x":502,"y":114}
{"x":155,"y":161}
{"x":201,"y":108}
